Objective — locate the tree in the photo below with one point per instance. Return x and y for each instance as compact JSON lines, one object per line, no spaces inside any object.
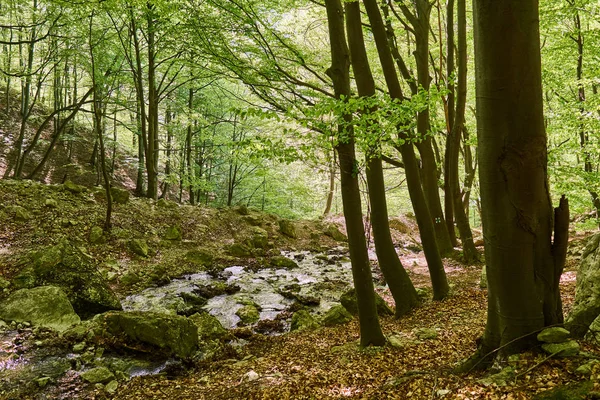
{"x":370,"y":330}
{"x":523,"y":263}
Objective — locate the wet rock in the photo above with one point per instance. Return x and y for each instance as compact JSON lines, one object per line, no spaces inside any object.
{"x":587,"y":293}
{"x":303,"y":299}
{"x":139,"y":247}
{"x":111,"y":387}
{"x":287,"y":228}
{"x":566,"y":349}
{"x":46,"y":306}
{"x":97,"y":235}
{"x":348,"y":300}
{"x":248,"y":314}
{"x":336,"y":315}
{"x":334,"y":232}
{"x":119,"y":196}
{"x":303,"y":320}
{"x":193,"y":302}
{"x":173,"y":233}
{"x":216,"y":289}
{"x":171,"y":333}
{"x":555,"y":334}
{"x":208,"y":326}
{"x":283,"y":262}
{"x":200,"y":257}
{"x":98,"y":375}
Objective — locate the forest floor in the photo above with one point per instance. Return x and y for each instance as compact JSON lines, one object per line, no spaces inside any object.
{"x":326,"y":363}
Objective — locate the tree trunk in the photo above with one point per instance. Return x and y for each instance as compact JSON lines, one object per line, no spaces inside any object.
{"x":188,"y":150}
{"x":523,"y":264}
{"x":403,"y":291}
{"x":411,"y":168}
{"x":331,"y":190}
{"x":370,"y":330}
{"x":152,"y":143}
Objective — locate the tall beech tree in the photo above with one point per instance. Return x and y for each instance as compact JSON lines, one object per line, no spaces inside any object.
{"x":523,"y":263}
{"x":370,"y":330}
{"x":403,"y":291}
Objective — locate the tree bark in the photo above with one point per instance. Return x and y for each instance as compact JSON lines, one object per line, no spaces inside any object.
{"x":523,"y":264}
{"x":403,"y":291}
{"x":370,"y":330}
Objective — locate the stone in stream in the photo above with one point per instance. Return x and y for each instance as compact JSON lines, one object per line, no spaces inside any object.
{"x":209,"y":327}
{"x":98,"y":375}
{"x":248,"y":314}
{"x":303,"y":320}
{"x":46,"y":306}
{"x":283,"y":262}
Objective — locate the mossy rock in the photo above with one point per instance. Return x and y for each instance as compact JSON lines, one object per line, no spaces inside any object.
{"x":72,"y":187}
{"x":130,"y":278}
{"x":348,"y":300}
{"x":337,"y":315}
{"x":303,"y":320}
{"x":248,"y":314}
{"x":163,"y":203}
{"x":139,"y":247}
{"x":399,"y":226}
{"x":569,"y":348}
{"x":260,"y":238}
{"x":239,"y":250}
{"x":20,"y":213}
{"x":200,"y":257}
{"x":97,"y":375}
{"x":334,"y":232}
{"x":97,"y":235}
{"x":555,"y":334}
{"x":572,"y":391}
{"x":287,"y":228}
{"x":283,"y":262}
{"x":50,"y":203}
{"x":242,"y":210}
{"x":173,"y":233}
{"x":119,"y":196}
{"x":209,"y":326}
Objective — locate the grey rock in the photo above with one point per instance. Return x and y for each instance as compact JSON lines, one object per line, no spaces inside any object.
{"x":46,"y":306}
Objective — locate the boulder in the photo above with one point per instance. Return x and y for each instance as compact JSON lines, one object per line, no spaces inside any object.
{"x":139,"y":247}
{"x":283,"y":262}
{"x":239,"y":250}
{"x":20,"y":213}
{"x":566,"y":349}
{"x":502,"y":378}
{"x":98,"y":375}
{"x":69,"y":268}
{"x":303,"y":320}
{"x":260,"y":238}
{"x":587,"y":368}
{"x":554,"y":334}
{"x":46,"y":306}
{"x":119,"y":196}
{"x":170,"y":333}
{"x":163,"y":203}
{"x":173,"y":233}
{"x":398,"y":225}
{"x":200,"y":257}
{"x":97,"y":235}
{"x":208,"y":326}
{"x":336,"y":315}
{"x":287,"y":228}
{"x":248,"y":314}
{"x":399,"y":341}
{"x":72,"y":187}
{"x":426,"y":333}
{"x":130,"y":278}
{"x":111,"y":387}
{"x":242,"y":210}
{"x":51,"y":203}
{"x":593,"y":333}
{"x":348,"y":300}
{"x":587,"y":292}
{"x":334,"y":232}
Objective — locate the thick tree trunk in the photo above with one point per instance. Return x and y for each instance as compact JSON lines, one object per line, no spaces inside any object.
{"x":403,"y":291}
{"x":152,"y":142}
{"x":411,"y":168}
{"x":370,"y":330}
{"x":523,"y":265}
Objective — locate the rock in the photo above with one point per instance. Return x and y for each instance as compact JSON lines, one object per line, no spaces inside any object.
{"x":260,"y":238}
{"x":73,"y":188}
{"x":208,"y":326}
{"x":200,"y":257}
{"x":20,"y":213}
{"x":193,"y":303}
{"x":587,"y":368}
{"x":399,"y":341}
{"x":239,"y":250}
{"x":483,"y":280}
{"x":216,"y":288}
{"x":171,"y":333}
{"x":51,"y":203}
{"x":287,"y":228}
{"x":248,"y":314}
{"x":593,"y":333}
{"x":139,"y":247}
{"x":119,"y":196}
{"x":334,"y":232}
{"x":348,"y":300}
{"x":97,"y":235}
{"x":67,"y":267}
{"x":242,"y":210}
{"x":303,"y":320}
{"x":46,"y":306}
{"x":555,"y":334}
{"x":251,"y":376}
{"x":426,"y":333}
{"x":566,"y":349}
{"x":130,"y":278}
{"x":283,"y":262}
{"x":173,"y":233}
{"x":111,"y":387}
{"x":253,"y":220}
{"x":336,"y":315}
{"x":502,"y":378}
{"x":163,"y":203}
{"x":587,"y":293}
{"x":79,"y":347}
{"x":98,"y":375}
{"x":398,"y":225}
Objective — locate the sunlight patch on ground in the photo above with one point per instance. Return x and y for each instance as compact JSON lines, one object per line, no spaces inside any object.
{"x":569,"y":276}
{"x":344,"y":391}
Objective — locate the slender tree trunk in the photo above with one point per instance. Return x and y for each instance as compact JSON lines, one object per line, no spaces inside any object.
{"x":152,"y":145}
{"x":188,"y":150}
{"x":331,"y":190}
{"x":411,"y":168}
{"x":370,"y":330}
{"x":523,"y":263}
{"x":403,"y":291}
